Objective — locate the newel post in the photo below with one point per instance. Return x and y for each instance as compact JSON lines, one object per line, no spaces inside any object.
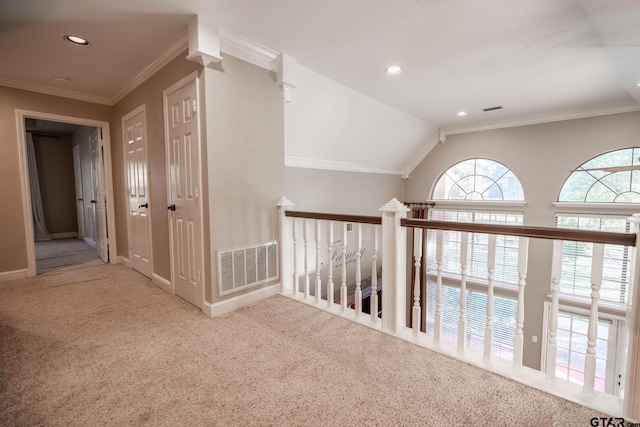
{"x":394,"y":255}
{"x":286,"y":238}
{"x":632,"y":377}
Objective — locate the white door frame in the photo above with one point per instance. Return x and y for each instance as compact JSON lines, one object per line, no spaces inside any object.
{"x":193,"y":77}
{"x":21,"y":115}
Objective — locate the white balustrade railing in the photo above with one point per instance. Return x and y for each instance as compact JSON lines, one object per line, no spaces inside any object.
{"x":387,"y":240}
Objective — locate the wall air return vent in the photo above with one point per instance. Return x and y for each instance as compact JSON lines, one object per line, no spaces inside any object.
{"x":246,"y":267}
{"x":492,"y":108}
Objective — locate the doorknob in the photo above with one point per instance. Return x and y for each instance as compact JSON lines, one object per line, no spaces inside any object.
{"x":79,"y":200}
{"x":93,"y":201}
{"x":146,"y":205}
{"x":172,"y":208}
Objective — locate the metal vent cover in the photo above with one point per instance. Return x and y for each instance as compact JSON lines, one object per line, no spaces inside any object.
{"x":246,"y":267}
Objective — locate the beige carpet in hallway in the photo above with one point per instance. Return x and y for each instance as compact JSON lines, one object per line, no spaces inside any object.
{"x":99,"y":345}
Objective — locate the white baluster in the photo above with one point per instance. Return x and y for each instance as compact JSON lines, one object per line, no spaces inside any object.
{"x":306,"y":258}
{"x":343,"y":283}
{"x":552,"y":346}
{"x":296,"y":282}
{"x":358,"y":292}
{"x":318,"y":280}
{"x":518,"y":340}
{"x":462,"y":320}
{"x":597,"y":261}
{"x":374,"y":274}
{"x":417,"y":258}
{"x":330,"y":277}
{"x":437,"y":321}
{"x":491,"y":270}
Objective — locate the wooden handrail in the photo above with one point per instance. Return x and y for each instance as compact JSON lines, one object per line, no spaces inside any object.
{"x":336,"y":217}
{"x":625,"y":239}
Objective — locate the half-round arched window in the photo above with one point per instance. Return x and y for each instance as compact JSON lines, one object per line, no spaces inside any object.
{"x":613,"y":177}
{"x":478,"y":179}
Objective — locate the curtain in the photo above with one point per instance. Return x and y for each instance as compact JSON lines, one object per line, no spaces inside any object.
{"x":39,"y":228}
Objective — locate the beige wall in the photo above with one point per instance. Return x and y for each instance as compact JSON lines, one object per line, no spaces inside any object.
{"x":245,"y":151}
{"x":541,"y":156}
{"x":54,"y":158}
{"x":150,"y":94}
{"x":341,"y":192}
{"x":13,"y":252}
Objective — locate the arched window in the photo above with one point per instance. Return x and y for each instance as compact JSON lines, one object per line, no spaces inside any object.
{"x":478,"y":179}
{"x":613,"y":177}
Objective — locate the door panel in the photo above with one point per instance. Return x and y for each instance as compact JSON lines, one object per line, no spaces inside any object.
{"x":98,"y":201}
{"x":77,"y":173}
{"x":183,"y":175}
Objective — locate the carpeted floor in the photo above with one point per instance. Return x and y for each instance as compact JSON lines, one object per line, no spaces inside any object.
{"x":52,"y":255}
{"x":101,"y":345}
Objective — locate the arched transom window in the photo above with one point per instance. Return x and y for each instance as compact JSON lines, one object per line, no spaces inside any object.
{"x":613,"y":177}
{"x":478,"y":179}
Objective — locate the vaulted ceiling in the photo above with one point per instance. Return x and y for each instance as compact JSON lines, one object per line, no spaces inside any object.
{"x":537,"y":59}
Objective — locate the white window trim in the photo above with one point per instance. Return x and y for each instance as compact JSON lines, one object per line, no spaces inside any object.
{"x":474,"y":205}
{"x":597,"y":208}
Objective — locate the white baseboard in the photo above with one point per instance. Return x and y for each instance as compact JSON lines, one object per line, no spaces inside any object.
{"x":90,"y":242}
{"x":13,"y":275}
{"x":162,"y":283}
{"x":234,"y":303}
{"x":68,"y":235}
{"x":124,"y":261}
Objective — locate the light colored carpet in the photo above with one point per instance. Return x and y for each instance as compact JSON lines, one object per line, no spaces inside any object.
{"x":102,"y":345}
{"x":52,"y":255}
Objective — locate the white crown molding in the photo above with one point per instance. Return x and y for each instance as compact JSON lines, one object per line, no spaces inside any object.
{"x":248,"y":50}
{"x":541,"y":120}
{"x":177,"y":46}
{"x":48,"y":90}
{"x":307,"y":163}
{"x":420,"y":155}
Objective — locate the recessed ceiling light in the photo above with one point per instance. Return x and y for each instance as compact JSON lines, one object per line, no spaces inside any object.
{"x":394,"y":69}
{"x":461,"y":113}
{"x":76,"y":40}
{"x":60,"y":79}
{"x":638,"y":84}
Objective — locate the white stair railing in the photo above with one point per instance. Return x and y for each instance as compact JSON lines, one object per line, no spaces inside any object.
{"x":462,"y":319}
{"x":518,"y":340}
{"x":491,"y":271}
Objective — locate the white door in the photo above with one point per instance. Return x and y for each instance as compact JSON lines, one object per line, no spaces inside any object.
{"x":183,"y":182}
{"x":99,"y":200}
{"x":77,"y":173}
{"x":134,"y":129}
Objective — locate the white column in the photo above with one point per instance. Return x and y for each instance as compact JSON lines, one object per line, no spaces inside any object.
{"x":437,"y":320}
{"x":552,"y":346}
{"x":417,"y":256}
{"x":462,"y":320}
{"x":597,"y":262}
{"x":306,"y":257}
{"x":394,"y":271}
{"x":286,"y":238}
{"x":330,"y":277}
{"x":491,"y":270}
{"x":296,"y":279}
{"x":358,"y":292}
{"x":518,"y":340}
{"x":343,"y":283}
{"x":318,"y":280}
{"x":632,"y":378}
{"x":374,"y":274}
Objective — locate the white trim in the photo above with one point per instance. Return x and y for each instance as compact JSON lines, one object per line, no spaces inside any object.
{"x":421,"y":155}
{"x":89,"y":242}
{"x":477,"y":204}
{"x":67,"y":235}
{"x":162,"y":283}
{"x":236,"y":302}
{"x":48,"y":90}
{"x":172,"y":51}
{"x":248,"y":50}
{"x":307,"y":163}
{"x":6,"y":276}
{"x":124,"y":261}
{"x":542,"y":120}
{"x":610,"y":208}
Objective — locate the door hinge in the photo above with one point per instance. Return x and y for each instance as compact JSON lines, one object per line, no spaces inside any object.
{"x":199,"y":275}
{"x":195,"y":105}
{"x":197,"y":193}
{"x":101,"y":133}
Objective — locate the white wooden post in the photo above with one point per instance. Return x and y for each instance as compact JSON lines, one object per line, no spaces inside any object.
{"x":286,"y":238}
{"x":318,"y":280}
{"x":417,"y":257}
{"x":343,"y":283}
{"x":374,"y":274}
{"x":518,"y":340}
{"x":358,"y":292}
{"x":394,"y":271}
{"x":631,"y":408}
{"x":296,"y":279}
{"x":597,"y":262}
{"x":552,"y":346}
{"x":306,"y":257}
{"x":330,"y":277}
{"x":437,"y":317}
{"x":491,"y":270}
{"x":462,"y":320}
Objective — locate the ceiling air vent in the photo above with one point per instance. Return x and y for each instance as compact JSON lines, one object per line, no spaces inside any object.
{"x":492,"y":108}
